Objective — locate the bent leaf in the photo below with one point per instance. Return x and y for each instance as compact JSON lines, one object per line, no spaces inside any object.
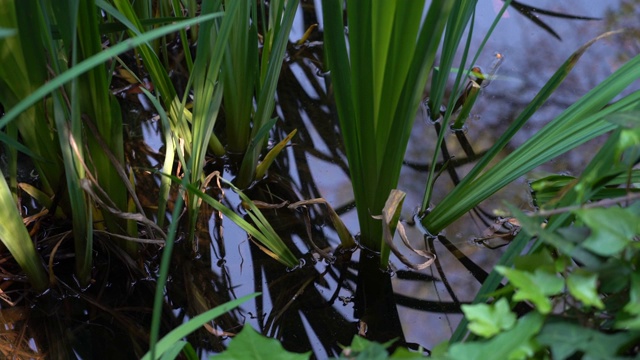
{"x":271,"y":155}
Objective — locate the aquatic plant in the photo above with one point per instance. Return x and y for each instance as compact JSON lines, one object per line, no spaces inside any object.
{"x":76,"y":136}
{"x":582,"y":256}
{"x":579,"y":123}
{"x":378,"y":81}
{"x":250,"y":76}
{"x":378,"y":78}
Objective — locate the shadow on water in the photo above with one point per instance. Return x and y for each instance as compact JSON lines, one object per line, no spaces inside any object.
{"x":318,"y":306}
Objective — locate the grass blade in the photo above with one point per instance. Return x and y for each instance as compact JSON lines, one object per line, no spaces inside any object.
{"x":579,"y":123}
{"x":192,"y":325}
{"x":16,"y":238}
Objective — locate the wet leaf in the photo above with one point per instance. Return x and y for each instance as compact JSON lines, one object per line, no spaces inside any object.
{"x":583,"y":286}
{"x":249,"y":344}
{"x":488,"y":320}
{"x":534,"y":287}
{"x":611,"y":229}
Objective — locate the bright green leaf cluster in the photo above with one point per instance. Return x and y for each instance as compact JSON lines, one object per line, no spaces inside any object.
{"x":534,"y":286}
{"x":488,"y":320}
{"x":515,"y":343}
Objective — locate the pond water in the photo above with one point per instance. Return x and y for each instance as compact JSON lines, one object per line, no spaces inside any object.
{"x":312,"y":308}
{"x":306,"y":308}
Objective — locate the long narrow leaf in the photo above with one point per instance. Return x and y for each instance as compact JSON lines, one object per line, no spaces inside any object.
{"x":16,"y":238}
{"x":194,"y":324}
{"x":267,"y":88}
{"x":579,"y":123}
{"x":96,"y":60}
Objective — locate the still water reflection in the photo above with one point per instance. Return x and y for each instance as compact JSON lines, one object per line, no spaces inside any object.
{"x":531,"y":56}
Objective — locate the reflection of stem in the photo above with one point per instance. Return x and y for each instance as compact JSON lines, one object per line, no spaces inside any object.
{"x":601,"y":203}
{"x":293,"y":298}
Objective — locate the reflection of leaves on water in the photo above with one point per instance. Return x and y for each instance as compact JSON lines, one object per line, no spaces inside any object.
{"x":533,"y":13}
{"x":625,"y":15}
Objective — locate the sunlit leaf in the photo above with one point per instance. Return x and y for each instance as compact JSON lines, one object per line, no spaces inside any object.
{"x":16,"y":238}
{"x":488,"y":320}
{"x":535,"y":287}
{"x":271,"y":155}
{"x":249,"y":344}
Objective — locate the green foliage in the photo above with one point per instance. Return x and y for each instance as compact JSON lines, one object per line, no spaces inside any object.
{"x":488,"y":320}
{"x":581,"y":273}
{"x":276,"y":37}
{"x":534,"y":286}
{"x":16,"y":238}
{"x":173,"y":338}
{"x":249,"y":344}
{"x":611,"y":229}
{"x":629,"y":317}
{"x":515,"y":343}
{"x":583,"y":286}
{"x":86,"y":83}
{"x":566,"y":339}
{"x":261,"y":230}
{"x":378,"y":81}
{"x":577,"y":124}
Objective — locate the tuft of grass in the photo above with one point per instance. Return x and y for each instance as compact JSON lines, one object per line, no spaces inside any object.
{"x":378,"y":79}
{"x":16,"y":238}
{"x":579,"y":123}
{"x":54,"y":129}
